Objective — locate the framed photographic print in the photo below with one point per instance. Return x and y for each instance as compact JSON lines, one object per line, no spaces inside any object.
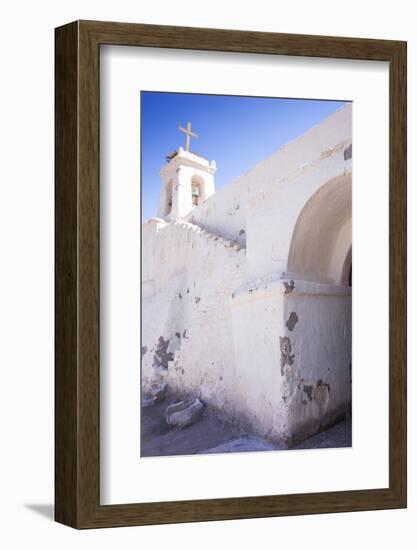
{"x":230,"y":274}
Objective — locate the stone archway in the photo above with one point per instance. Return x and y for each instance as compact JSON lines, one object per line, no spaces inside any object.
{"x":322,"y":236}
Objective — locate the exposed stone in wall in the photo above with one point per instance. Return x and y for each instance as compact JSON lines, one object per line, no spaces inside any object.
{"x":321,"y":394}
{"x":289,"y":286}
{"x":326,"y":153}
{"x":162,"y":356}
{"x":292,"y":321}
{"x":308,"y":390}
{"x":286,"y":357}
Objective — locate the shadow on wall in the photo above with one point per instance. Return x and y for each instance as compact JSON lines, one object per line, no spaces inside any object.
{"x":322,"y":237}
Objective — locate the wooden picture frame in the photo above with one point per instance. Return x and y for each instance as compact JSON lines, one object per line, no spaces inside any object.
{"x":77,"y":372}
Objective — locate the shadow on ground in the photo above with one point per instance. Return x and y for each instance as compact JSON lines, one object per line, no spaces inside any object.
{"x":339,"y":435}
{"x":211,"y":435}
{"x":159,"y":439}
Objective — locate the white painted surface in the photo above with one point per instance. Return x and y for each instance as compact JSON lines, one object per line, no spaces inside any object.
{"x":205,"y":334}
{"x":179,"y":176}
{"x":27,"y":305}
{"x":187,"y":305}
{"x":366,"y":464}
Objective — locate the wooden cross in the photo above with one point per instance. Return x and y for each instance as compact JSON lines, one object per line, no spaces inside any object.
{"x":187,"y":131}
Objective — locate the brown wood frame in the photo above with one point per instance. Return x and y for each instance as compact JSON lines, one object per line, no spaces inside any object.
{"x":77,"y":361}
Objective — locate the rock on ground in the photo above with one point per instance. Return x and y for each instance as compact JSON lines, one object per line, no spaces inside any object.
{"x":184,"y":413}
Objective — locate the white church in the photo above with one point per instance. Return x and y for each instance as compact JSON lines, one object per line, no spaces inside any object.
{"x":246,"y":292}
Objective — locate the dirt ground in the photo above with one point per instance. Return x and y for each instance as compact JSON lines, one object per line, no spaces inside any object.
{"x":159,"y":439}
{"x":339,"y":435}
{"x":210,"y":435}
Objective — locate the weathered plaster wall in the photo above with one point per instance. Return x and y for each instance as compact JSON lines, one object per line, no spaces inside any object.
{"x":273,"y":215}
{"x":276,"y":189}
{"x":293,"y":347}
{"x":248,"y":306}
{"x":316,"y":387}
{"x":187,"y":338}
{"x":258,"y":321}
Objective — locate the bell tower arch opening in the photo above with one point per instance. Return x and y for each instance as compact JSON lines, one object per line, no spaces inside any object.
{"x":187,"y":180}
{"x":197,"y":190}
{"x":167,"y":207}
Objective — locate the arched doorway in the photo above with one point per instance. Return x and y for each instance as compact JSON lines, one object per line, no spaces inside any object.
{"x":321,"y":244}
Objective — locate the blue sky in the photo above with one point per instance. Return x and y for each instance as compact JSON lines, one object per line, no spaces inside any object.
{"x":236,"y":132}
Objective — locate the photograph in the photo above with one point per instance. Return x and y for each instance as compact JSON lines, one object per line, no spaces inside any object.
{"x":210,"y":249}
{"x":246,"y":274}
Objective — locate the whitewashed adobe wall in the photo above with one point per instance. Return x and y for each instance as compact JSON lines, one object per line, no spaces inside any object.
{"x":187,"y":330}
{"x":246,"y":300}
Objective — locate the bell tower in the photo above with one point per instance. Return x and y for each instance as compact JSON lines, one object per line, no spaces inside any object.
{"x":187,"y":180}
